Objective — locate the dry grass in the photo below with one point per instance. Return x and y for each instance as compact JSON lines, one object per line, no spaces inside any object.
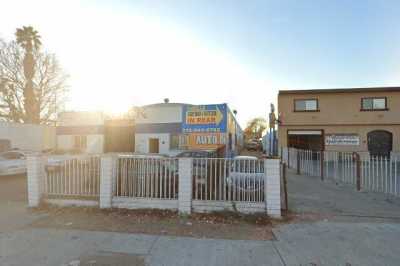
{"x":223,"y":225}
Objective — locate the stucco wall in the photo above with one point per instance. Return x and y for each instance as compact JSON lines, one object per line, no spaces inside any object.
{"x":28,"y":136}
{"x":362,"y":131}
{"x":81,"y":118}
{"x":339,"y":109}
{"x":162,"y":120}
{"x":161,"y":113}
{"x":89,"y":124}
{"x":95,"y":143}
{"x":340,"y":113}
{"x":158,"y":121}
{"x":142,"y":142}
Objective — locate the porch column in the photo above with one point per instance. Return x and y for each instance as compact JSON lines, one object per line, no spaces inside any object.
{"x":107,"y":176}
{"x":185,"y":186}
{"x":272,"y":188}
{"x":35,"y":179}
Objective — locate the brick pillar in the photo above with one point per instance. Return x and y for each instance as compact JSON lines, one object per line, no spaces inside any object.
{"x":273,"y":187}
{"x":36,"y":179}
{"x":185,"y":186}
{"x":107,"y":176}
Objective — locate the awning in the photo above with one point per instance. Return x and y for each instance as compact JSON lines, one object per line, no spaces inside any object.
{"x":304,"y":132}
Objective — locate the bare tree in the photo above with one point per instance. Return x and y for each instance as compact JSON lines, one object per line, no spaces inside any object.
{"x":29,"y":94}
{"x":255,"y":128}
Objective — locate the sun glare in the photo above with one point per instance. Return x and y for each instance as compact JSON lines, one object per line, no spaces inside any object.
{"x":117,"y":60}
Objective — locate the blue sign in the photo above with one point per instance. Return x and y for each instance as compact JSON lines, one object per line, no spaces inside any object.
{"x":210,"y":118}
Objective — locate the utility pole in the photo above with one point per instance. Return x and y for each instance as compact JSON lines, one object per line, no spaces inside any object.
{"x":272,"y":135}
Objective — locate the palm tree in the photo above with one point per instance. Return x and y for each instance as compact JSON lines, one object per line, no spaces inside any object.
{"x":29,"y":39}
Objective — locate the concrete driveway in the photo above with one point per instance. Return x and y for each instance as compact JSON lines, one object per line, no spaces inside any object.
{"x":13,"y":203}
{"x":310,"y":194}
{"x":13,"y":188}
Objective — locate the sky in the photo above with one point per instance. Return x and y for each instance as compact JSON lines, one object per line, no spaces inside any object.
{"x":130,"y":53}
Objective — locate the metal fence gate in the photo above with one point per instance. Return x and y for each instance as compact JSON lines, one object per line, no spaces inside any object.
{"x":368,"y":173}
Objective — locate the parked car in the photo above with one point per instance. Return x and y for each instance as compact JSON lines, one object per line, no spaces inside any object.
{"x":197,"y":154}
{"x":13,"y":162}
{"x":253,"y":145}
{"x":246,"y":173}
{"x":200,"y":167}
{"x":145,"y":163}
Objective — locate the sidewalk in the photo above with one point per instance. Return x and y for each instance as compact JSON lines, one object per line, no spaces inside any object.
{"x":348,"y":234}
{"x":321,"y":243}
{"x":65,"y":247}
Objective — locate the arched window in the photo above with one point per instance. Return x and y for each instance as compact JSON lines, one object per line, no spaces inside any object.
{"x":380,"y":142}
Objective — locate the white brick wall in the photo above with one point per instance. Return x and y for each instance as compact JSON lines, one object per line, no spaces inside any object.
{"x":273,"y":187}
{"x":35,"y":176}
{"x":73,"y":202}
{"x":138,"y":203}
{"x":185,"y":186}
{"x":243,"y":207}
{"x":106,"y":181}
{"x":184,"y":204}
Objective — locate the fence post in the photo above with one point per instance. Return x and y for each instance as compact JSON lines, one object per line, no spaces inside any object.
{"x":36,"y":178}
{"x":272,"y":188}
{"x":298,"y":162}
{"x":106,"y":181}
{"x":322,"y":165}
{"x":185,"y":186}
{"x":356,"y":157}
{"x":284,"y":183}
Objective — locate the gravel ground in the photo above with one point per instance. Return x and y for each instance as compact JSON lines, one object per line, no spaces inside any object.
{"x":13,"y":189}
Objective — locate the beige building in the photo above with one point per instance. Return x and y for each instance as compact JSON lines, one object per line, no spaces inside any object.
{"x":359,"y":119}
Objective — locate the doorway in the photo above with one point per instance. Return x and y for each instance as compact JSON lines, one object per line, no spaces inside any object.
{"x":119,"y":135}
{"x":306,"y":139}
{"x":154,"y":145}
{"x":5,"y":145}
{"x":380,"y":143}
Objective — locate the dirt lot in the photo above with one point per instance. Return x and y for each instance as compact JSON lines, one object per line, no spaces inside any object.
{"x":226,"y":225}
{"x":13,"y":188}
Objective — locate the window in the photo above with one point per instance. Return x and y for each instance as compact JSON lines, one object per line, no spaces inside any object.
{"x":174,"y":142}
{"x":185,"y":155}
{"x":12,"y":155}
{"x":310,"y":105}
{"x":373,"y":104}
{"x":183,"y":141}
{"x":80,"y":142}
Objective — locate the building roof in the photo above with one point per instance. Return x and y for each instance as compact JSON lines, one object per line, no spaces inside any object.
{"x":342,"y":90}
{"x":164,"y":105}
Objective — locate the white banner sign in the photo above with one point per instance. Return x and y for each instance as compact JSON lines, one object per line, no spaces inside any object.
{"x":342,"y":139}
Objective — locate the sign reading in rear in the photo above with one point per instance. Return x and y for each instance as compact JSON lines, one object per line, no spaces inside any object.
{"x":204,"y":118}
{"x":342,"y":139}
